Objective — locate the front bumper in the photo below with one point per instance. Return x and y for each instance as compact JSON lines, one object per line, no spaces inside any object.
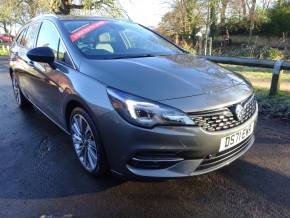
{"x":166,"y":152}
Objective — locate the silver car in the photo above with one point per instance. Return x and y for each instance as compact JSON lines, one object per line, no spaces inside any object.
{"x":134,"y":103}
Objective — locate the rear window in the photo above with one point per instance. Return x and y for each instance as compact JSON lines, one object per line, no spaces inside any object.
{"x":116,"y":39}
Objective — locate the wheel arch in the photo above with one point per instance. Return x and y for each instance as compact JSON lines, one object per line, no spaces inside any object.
{"x":77,"y":102}
{"x":72,"y":103}
{"x":70,"y":106}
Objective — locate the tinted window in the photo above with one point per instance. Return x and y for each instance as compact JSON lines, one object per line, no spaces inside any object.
{"x":48,"y":37}
{"x":116,"y":39}
{"x":31,"y":35}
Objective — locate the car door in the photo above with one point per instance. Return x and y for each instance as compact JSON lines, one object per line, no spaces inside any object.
{"x":23,"y":66}
{"x":45,"y":82}
{"x":16,"y":62}
{"x":27,"y":68}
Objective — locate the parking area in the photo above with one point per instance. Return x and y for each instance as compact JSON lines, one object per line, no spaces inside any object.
{"x":40,"y":176}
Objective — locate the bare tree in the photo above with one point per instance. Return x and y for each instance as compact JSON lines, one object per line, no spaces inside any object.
{"x":224,"y":5}
{"x":244,"y":7}
{"x":9,"y":14}
{"x":252,"y":10}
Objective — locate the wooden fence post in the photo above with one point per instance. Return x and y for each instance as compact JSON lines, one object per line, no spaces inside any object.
{"x":276,"y":78}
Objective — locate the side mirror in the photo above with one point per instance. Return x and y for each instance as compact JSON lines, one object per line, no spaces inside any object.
{"x":41,"y":54}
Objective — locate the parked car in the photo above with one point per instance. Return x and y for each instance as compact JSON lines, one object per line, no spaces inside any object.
{"x":133,"y":102}
{"x":6,"y":38}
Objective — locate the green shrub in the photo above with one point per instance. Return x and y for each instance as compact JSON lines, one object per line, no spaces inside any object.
{"x":274,"y":54}
{"x":275,"y":106}
{"x":235,"y":52}
{"x":187,"y":47}
{"x":279,"y":19}
{"x":265,"y":52}
{"x":269,"y":53}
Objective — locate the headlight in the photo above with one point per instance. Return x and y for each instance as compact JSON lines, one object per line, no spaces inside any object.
{"x":146,"y":113}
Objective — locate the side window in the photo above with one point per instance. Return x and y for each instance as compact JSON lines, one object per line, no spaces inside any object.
{"x":23,"y":38}
{"x":63,"y":55}
{"x":31,"y":35}
{"x":48,"y":37}
{"x":18,"y":40}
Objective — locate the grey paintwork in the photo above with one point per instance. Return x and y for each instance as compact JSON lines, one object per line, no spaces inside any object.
{"x":161,"y":78}
{"x":182,"y":81}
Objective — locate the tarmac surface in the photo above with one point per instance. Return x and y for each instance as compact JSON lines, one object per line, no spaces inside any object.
{"x":41,"y":177}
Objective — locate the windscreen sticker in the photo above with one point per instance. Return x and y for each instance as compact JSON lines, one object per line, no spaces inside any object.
{"x":84,"y":31}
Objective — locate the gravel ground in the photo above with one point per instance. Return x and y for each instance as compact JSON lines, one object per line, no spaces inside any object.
{"x":40,"y":176}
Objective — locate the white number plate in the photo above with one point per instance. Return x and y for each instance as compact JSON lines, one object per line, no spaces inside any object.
{"x":236,"y":138}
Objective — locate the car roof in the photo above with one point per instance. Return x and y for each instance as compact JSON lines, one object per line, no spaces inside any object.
{"x":71,"y":17}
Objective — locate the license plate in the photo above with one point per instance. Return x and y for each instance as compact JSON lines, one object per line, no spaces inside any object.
{"x":236,"y":138}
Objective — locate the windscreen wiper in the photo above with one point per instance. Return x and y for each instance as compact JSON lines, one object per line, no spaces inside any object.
{"x":132,"y":56}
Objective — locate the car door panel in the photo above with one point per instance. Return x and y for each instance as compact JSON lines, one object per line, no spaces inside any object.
{"x":45,"y":78}
{"x":25,"y":67}
{"x":46,"y":89}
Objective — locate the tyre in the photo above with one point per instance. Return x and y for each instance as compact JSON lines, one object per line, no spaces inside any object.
{"x":21,"y":100}
{"x":87,"y":143}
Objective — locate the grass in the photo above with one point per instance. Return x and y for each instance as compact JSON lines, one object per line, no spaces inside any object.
{"x":261,"y":77}
{"x":256,"y":73}
{"x":274,"y":106}
{"x":4,"y":52}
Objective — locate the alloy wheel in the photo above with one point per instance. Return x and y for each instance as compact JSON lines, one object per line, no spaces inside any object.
{"x":84,"y":142}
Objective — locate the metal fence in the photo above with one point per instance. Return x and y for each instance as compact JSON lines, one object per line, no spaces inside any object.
{"x":277,"y":67}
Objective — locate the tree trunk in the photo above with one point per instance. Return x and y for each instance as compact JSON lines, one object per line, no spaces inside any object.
{"x":252,"y":20}
{"x":213,"y":19}
{"x":207,"y":29}
{"x":223,"y":18}
{"x":64,"y":7}
{"x":5,"y":28}
{"x":244,"y":8}
{"x":60,"y":7}
{"x":223,"y":12}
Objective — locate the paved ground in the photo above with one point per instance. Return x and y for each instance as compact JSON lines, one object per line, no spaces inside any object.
{"x":41,"y":176}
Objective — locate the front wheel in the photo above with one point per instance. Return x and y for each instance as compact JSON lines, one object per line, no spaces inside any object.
{"x":87,"y":144}
{"x":21,"y":100}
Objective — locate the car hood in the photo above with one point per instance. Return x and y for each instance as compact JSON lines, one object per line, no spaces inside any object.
{"x":162,"y":77}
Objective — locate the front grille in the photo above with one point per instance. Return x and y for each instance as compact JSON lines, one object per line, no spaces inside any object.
{"x":218,"y":159}
{"x":225,"y":118}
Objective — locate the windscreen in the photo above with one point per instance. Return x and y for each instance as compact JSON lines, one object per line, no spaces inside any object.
{"x":116,"y":39}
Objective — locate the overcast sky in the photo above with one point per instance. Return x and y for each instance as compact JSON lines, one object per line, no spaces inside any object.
{"x":146,"y":12}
